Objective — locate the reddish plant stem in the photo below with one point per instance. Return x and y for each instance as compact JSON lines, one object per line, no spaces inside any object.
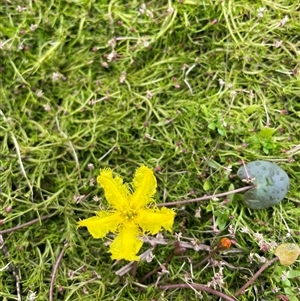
{"x":253,"y":278}
{"x":61,"y":254}
{"x":206,"y":197}
{"x":134,"y":269}
{"x":158,"y":268}
{"x":199,"y":287}
{"x":27,"y":224}
{"x":206,"y":258}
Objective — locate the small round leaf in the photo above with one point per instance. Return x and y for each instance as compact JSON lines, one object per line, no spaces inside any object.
{"x":287,"y":253}
{"x":271,"y":183}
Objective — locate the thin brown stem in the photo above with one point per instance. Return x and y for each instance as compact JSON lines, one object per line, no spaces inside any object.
{"x":253,"y":278}
{"x":61,"y":254}
{"x":27,"y":224}
{"x":134,"y":269}
{"x":199,"y":287}
{"x":205,"y":259}
{"x":158,"y":268}
{"x":206,"y":197}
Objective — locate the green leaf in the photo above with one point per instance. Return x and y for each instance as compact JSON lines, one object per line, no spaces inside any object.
{"x":204,"y":110}
{"x":293,"y":274}
{"x":266,"y":132}
{"x":222,"y":131}
{"x":207,"y":185}
{"x":209,"y":208}
{"x":289,"y":292}
{"x":221,"y":222}
{"x":212,"y":126}
{"x":221,"y":219}
{"x":213,"y":164}
{"x":231,"y":196}
{"x":251,"y":109}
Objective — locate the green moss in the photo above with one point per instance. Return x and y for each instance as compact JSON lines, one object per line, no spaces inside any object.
{"x":204,"y":86}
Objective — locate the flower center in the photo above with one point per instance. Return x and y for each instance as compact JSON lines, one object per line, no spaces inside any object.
{"x":130,"y":214}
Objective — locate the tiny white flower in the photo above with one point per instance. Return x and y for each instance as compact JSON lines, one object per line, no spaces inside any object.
{"x":260,"y":12}
{"x":90,"y":166}
{"x":31,"y":296}
{"x":150,"y":257}
{"x":149,"y":94}
{"x":170,"y":10}
{"x":19,"y":9}
{"x":221,"y":82}
{"x":233,"y":94}
{"x":277,"y":44}
{"x":142,"y":8}
{"x":275,"y":290}
{"x":146,"y":43}
{"x":149,"y":13}
{"x":245,"y":229}
{"x":284,"y":275}
{"x":258,"y":236}
{"x":96,"y":199}
{"x":251,"y":94}
{"x":33,"y":27}
{"x":283,"y":21}
{"x":39,"y":93}
{"x":262,"y":259}
{"x":111,"y":56}
{"x":272,"y":245}
{"x":78,"y":198}
{"x":198,"y":213}
{"x":112,"y":43}
{"x":178,"y":236}
{"x":228,"y":168}
{"x":47,"y":107}
{"x":231,"y":231}
{"x":56,"y":76}
{"x":251,"y":257}
{"x":122,"y":77}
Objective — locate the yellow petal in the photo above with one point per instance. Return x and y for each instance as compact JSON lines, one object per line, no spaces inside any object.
{"x":126,"y":245}
{"x":144,"y":184}
{"x":116,"y":192}
{"x":153,"y":220}
{"x":98,"y":226}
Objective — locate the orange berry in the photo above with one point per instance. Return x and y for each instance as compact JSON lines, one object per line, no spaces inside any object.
{"x":224,"y":243}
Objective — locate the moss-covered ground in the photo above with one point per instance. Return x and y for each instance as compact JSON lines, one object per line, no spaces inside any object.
{"x":189,"y":88}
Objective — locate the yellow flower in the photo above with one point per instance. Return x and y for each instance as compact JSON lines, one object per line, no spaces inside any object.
{"x":129,"y":215}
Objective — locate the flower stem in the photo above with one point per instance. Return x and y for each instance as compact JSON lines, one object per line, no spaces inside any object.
{"x":42,"y":218}
{"x":55,"y":268}
{"x":207,"y":197}
{"x":199,"y":287}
